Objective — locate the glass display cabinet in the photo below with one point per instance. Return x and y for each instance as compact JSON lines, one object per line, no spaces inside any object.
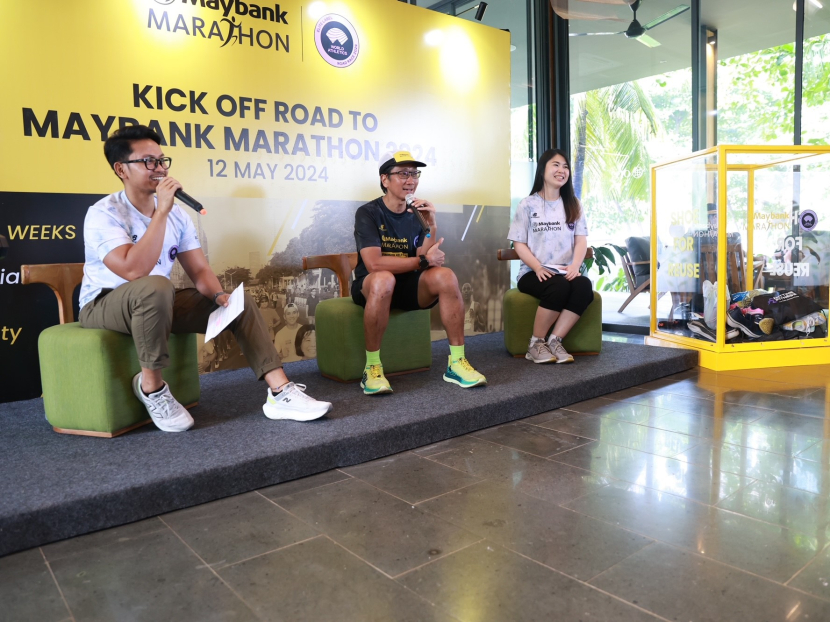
{"x":741,"y":237}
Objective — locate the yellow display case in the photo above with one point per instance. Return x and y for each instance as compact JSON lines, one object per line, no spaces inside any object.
{"x":742,"y":218}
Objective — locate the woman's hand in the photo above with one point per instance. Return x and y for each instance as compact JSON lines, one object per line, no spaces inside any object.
{"x":542,"y":273}
{"x":572,"y":271}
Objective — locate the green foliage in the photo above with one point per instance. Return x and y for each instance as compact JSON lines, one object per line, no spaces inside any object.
{"x":616,"y":284}
{"x":759,"y":105}
{"x":602,"y":255}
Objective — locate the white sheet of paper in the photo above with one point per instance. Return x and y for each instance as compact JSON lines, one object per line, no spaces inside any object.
{"x":219,"y":319}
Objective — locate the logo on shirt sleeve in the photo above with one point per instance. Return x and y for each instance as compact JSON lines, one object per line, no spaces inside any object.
{"x":174,"y":251}
{"x":571,"y":226}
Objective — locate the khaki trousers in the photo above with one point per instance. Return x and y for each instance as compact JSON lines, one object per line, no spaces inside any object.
{"x":150,"y":309}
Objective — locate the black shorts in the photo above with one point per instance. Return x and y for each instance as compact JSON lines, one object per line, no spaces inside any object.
{"x":404,"y":296}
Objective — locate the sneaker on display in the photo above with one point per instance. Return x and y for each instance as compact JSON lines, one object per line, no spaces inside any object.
{"x":807,"y":323}
{"x":292,"y":403}
{"x":463,"y":374}
{"x":736,"y":319}
{"x":164,"y":409}
{"x":539,"y":352}
{"x":558,"y":350}
{"x":701,"y":330}
{"x":374,"y":382}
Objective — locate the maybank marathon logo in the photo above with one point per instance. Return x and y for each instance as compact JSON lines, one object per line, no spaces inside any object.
{"x":226,"y":28}
{"x":336,"y":40}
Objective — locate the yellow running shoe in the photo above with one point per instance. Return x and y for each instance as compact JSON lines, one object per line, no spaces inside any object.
{"x":374,"y":381}
{"x":463,"y":374}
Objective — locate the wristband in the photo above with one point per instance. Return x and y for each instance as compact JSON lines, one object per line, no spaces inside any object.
{"x":423,"y":262}
{"x":216,"y":295}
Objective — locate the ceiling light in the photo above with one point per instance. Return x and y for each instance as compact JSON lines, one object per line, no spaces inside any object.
{"x":480,"y":8}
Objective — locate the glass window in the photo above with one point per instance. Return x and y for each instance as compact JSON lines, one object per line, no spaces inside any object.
{"x":815,"y":111}
{"x":631,"y":106}
{"x":756,"y":70}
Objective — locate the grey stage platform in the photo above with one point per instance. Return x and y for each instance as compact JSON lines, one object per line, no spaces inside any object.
{"x":54,"y":486}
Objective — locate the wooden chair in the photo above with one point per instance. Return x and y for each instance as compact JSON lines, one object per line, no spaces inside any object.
{"x":62,"y":278}
{"x":634,"y":289}
{"x":735,"y":266}
{"x":341,"y":346}
{"x":520,"y":310}
{"x":86,"y":373}
{"x":342,"y":265}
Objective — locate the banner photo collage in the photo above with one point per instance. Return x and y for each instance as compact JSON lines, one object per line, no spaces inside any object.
{"x":275,"y":116}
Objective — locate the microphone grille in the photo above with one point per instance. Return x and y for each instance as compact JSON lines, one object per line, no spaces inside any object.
{"x":409,"y":198}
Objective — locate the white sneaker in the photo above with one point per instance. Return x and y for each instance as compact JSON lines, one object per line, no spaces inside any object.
{"x":293,"y":403}
{"x":165,"y":411}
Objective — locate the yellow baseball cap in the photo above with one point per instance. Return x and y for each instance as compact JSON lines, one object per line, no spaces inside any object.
{"x":392,"y":159}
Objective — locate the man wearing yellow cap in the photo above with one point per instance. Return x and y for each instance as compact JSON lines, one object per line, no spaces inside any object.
{"x":400,"y":266}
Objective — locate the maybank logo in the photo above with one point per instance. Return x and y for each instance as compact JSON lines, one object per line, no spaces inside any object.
{"x":226,"y":28}
{"x":238,"y":7}
{"x":336,"y":40}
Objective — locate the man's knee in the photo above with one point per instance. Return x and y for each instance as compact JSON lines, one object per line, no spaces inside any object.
{"x":379,"y":285}
{"x":155,"y":290}
{"x":443,"y":280}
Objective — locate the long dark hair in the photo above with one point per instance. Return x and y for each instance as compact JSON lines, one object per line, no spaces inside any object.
{"x":569,"y":200}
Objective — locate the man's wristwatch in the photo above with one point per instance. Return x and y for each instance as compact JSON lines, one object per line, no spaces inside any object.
{"x":423,"y":262}
{"x":216,"y":295}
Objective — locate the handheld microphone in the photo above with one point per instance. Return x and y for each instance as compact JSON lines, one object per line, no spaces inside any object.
{"x":409,"y":199}
{"x":188,"y":200}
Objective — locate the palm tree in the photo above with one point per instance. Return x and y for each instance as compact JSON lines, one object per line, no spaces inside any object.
{"x":611,"y":164}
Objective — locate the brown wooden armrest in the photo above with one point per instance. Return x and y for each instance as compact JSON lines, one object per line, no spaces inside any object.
{"x":341,"y":264}
{"x":63,"y":278}
{"x":509,"y":254}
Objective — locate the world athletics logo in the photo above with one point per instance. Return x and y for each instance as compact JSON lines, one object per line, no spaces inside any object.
{"x":336,"y":40}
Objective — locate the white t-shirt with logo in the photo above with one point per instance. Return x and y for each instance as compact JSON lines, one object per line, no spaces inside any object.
{"x":114,"y":222}
{"x":542,"y":226}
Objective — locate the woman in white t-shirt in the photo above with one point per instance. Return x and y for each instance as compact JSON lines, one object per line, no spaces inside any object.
{"x":550,"y":235}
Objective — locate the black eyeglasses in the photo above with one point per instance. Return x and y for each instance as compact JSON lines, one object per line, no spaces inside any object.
{"x":406,"y":174}
{"x":152,"y":163}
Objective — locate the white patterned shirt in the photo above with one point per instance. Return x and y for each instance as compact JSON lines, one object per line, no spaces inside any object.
{"x":542,"y":226}
{"x":114,"y":222}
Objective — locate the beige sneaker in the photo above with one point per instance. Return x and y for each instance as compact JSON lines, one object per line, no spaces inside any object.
{"x":559,"y":352}
{"x":539,"y":352}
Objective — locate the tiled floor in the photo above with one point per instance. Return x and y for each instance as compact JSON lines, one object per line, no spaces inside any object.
{"x":701,"y":496}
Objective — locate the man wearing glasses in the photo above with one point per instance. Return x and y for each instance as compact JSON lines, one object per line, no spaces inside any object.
{"x":399,"y":267}
{"x":131,"y":240}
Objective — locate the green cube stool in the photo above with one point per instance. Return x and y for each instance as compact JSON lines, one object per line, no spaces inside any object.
{"x":87,"y":379}
{"x":341,"y":348}
{"x":520,"y":310}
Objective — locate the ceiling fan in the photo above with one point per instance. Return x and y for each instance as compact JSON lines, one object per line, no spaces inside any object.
{"x":636,"y":30}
